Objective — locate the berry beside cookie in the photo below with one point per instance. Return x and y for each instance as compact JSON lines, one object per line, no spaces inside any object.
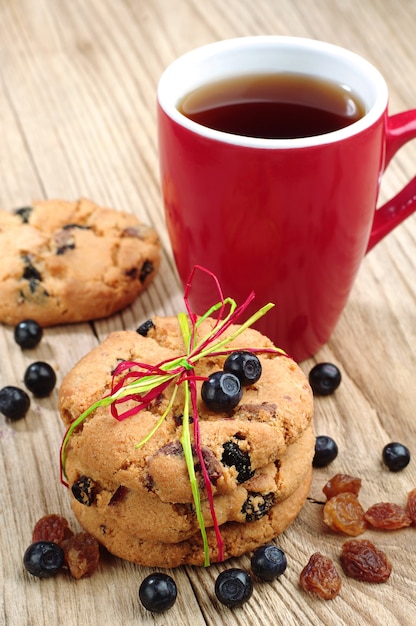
{"x":65,"y":262}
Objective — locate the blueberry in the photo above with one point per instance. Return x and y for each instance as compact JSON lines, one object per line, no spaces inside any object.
{"x":145,"y":327}
{"x":43,"y":559}
{"x":146,"y":270}
{"x":84,"y":490}
{"x":40,"y":379}
{"x":245,"y":365}
{"x":233,"y":587}
{"x":14,"y":402}
{"x":31,"y":273}
{"x":221,"y":391}
{"x":233,"y":456}
{"x":158,"y":592}
{"x":268,"y":562}
{"x":326,"y":450}
{"x":24,"y":213}
{"x":28,"y":333}
{"x":324,"y":378}
{"x":396,"y":456}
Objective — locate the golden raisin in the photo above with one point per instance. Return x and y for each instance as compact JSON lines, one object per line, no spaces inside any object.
{"x":320,"y":576}
{"x":82,"y":554}
{"x":387,"y":516}
{"x":343,"y":513}
{"x":51,"y":528}
{"x":340,"y":483}
{"x":411,"y":505}
{"x":363,"y":561}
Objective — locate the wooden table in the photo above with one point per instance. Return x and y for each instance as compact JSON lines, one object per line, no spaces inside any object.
{"x":77,"y":118}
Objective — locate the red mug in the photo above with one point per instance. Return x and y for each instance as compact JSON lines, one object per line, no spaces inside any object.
{"x":290,"y":219}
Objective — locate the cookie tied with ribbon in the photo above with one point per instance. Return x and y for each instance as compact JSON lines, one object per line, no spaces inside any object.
{"x":171,"y":454}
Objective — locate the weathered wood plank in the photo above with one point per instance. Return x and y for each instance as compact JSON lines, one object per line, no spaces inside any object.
{"x":77,"y":118}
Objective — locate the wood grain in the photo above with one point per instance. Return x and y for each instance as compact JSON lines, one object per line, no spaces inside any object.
{"x":77,"y":118}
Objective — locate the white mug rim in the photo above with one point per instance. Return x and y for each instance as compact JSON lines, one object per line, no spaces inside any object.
{"x":168,"y":82}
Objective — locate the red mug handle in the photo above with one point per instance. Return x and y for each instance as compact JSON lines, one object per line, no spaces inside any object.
{"x":400,"y":129}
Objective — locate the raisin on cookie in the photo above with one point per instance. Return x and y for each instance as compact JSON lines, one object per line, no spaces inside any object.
{"x":138,"y":502}
{"x":65,"y":262}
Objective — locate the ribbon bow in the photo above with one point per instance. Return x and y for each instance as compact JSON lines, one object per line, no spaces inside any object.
{"x":142,"y":383}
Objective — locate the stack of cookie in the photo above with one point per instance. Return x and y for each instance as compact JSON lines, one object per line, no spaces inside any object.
{"x":138,"y":502}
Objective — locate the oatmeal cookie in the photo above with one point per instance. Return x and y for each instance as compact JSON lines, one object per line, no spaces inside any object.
{"x":258,"y":456}
{"x":65,"y":262}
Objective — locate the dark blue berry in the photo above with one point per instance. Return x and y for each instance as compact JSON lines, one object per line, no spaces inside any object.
{"x":84,"y":490}
{"x":221,"y":392}
{"x":326,"y":450}
{"x":40,"y":379}
{"x":43,"y":559}
{"x":31,"y":273}
{"x":145,"y":327}
{"x":14,"y":402}
{"x":158,"y":592}
{"x":27,"y":334}
{"x":324,"y":378}
{"x":245,"y":365}
{"x":240,"y":459}
{"x":268,"y":562}
{"x":24,"y":213}
{"x":233,"y":587}
{"x":146,"y":270}
{"x":396,"y":456}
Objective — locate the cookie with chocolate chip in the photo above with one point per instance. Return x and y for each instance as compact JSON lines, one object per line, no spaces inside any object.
{"x":133,"y":492}
{"x":65,"y":262}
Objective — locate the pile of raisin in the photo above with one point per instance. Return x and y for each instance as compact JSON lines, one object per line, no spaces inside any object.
{"x":55,"y":546}
{"x":360,"y":558}
{"x":343,"y":512}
